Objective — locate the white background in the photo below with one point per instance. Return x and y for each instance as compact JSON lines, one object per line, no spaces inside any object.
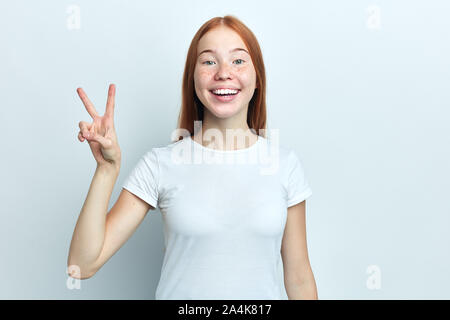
{"x":362,"y":95}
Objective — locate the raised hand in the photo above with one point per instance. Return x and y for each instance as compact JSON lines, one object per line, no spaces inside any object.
{"x":101,"y":134}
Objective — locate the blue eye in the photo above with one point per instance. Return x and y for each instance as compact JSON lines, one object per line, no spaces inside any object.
{"x":206,"y":62}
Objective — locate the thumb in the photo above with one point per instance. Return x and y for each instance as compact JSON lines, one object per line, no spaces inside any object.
{"x":105,"y":143}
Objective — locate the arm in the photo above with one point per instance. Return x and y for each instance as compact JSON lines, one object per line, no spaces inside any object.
{"x":298,"y":276}
{"x":97,"y":235}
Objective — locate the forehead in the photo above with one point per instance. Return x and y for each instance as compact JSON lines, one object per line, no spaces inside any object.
{"x":221,"y":39}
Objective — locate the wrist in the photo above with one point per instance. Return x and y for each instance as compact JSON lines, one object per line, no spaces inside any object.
{"x":113,"y":168}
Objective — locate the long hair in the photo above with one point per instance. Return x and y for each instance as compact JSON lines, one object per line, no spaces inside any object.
{"x":191,"y":107}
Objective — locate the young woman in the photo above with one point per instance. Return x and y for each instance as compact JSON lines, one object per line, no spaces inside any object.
{"x":230,"y":229}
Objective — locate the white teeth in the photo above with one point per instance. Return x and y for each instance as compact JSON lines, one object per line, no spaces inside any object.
{"x":225,"y":91}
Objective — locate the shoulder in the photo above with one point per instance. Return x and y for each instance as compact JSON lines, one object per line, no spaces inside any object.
{"x":163,"y":153}
{"x":272,"y":146}
{"x":288,"y":159}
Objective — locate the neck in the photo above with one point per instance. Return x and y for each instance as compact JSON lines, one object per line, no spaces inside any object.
{"x":225,"y":134}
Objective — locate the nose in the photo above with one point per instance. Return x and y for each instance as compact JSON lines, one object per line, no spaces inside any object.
{"x":224,"y":72}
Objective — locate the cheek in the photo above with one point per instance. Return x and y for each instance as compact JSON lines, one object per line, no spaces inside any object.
{"x":201,"y":79}
{"x":202,"y":75}
{"x":247,"y":75}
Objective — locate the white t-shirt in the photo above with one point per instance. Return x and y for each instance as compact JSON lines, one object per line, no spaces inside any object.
{"x":224,"y":213}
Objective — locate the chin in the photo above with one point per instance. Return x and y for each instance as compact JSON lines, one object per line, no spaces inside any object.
{"x":223,"y":114}
{"x":223,"y":111}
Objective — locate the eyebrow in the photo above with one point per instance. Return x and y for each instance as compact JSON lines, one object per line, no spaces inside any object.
{"x":213,"y":51}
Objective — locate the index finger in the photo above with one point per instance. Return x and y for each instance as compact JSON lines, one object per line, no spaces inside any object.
{"x":111,"y":100}
{"x":87,"y":103}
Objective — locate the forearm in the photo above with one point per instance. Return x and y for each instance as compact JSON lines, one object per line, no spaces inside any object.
{"x":89,"y":233}
{"x":304,"y":290}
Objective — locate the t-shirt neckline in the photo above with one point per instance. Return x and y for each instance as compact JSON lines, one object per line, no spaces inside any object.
{"x":198,"y":145}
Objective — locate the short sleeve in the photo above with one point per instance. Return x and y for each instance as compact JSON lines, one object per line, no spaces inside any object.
{"x":143,"y":180}
{"x":298,"y":188}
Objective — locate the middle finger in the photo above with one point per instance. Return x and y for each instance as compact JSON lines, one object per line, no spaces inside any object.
{"x":87,"y":103}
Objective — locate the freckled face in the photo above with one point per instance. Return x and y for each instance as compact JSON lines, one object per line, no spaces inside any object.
{"x":224,"y":67}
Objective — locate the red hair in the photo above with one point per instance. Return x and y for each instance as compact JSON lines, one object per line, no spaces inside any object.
{"x":192,"y":108}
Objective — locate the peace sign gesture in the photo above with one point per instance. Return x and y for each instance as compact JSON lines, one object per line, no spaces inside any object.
{"x":101,"y":134}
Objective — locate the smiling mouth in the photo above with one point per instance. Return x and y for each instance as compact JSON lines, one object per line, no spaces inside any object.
{"x":225,"y":95}
{"x":224,"y":98}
